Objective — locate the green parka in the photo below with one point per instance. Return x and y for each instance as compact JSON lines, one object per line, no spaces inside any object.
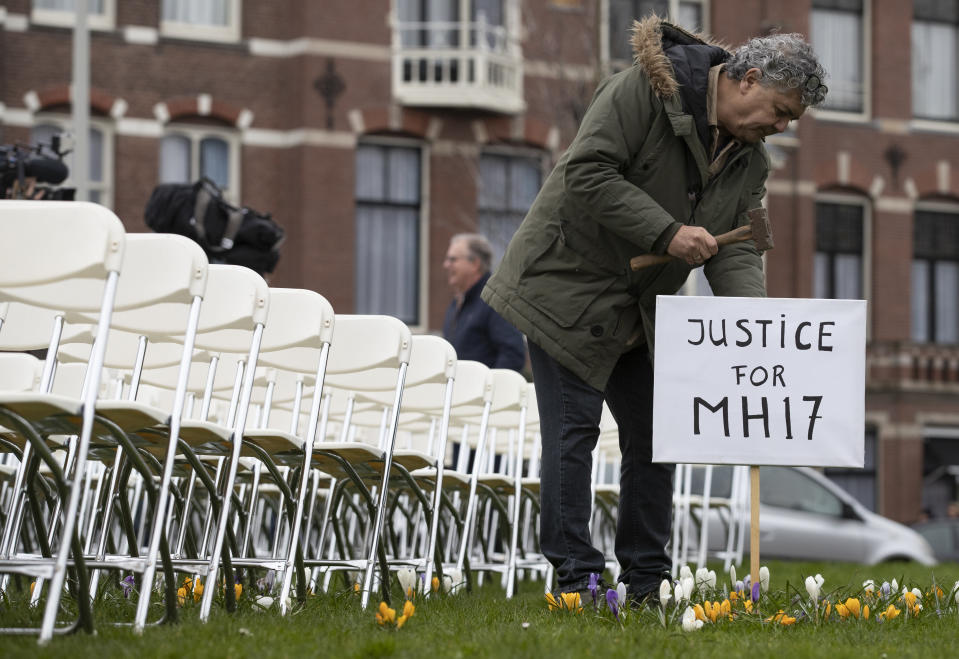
{"x":635,"y":170}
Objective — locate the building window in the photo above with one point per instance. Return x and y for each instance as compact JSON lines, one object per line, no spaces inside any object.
{"x":836,"y":28}
{"x":436,"y":23}
{"x":860,"y":483}
{"x":204,"y":20}
{"x":100,"y":172}
{"x":388,"y":231}
{"x":935,"y":59}
{"x":838,"y":270}
{"x":187,"y":155}
{"x":935,"y":277}
{"x":689,"y":14}
{"x":100,"y":13}
{"x":507,"y":187}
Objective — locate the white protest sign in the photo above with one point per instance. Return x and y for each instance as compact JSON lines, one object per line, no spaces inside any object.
{"x":759,"y":381}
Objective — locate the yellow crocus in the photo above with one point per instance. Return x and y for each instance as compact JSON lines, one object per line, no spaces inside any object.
{"x":733,"y":596}
{"x":551,"y":602}
{"x":700,"y":614}
{"x":712,"y":610}
{"x":827,"y":609}
{"x":725,"y":608}
{"x":865,"y":612}
{"x":842,"y":610}
{"x":181,"y":596}
{"x":910,"y":598}
{"x":787,"y":620}
{"x":197,"y":591}
{"x":748,"y":605}
{"x":385,"y":614}
{"x":238,"y":590}
{"x":408,"y":610}
{"x":890,"y":613}
{"x":571,"y":601}
{"x":435,"y":584}
{"x":356,"y":588}
{"x":852,"y":605}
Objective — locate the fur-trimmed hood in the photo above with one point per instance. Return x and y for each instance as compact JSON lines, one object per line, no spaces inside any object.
{"x":651,"y":37}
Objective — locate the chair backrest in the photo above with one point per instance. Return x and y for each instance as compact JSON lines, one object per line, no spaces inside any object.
{"x":58,"y":253}
{"x":19,"y":371}
{"x":363,"y":342}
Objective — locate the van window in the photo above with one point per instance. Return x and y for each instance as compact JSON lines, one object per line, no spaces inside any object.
{"x":784,"y":487}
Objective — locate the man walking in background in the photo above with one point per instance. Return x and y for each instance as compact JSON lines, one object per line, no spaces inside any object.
{"x":477,"y":332}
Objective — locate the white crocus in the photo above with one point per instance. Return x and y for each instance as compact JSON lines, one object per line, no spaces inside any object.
{"x":702,"y":579}
{"x":869,"y":586}
{"x":814,"y":586}
{"x":732,"y":574}
{"x":688,"y":585}
{"x":895,"y":586}
{"x":455,"y":579}
{"x":711,"y":579}
{"x":407,"y":578}
{"x":678,"y":593}
{"x":685,"y":572}
{"x":955,"y":592}
{"x":621,"y":595}
{"x":917,"y":593}
{"x":690,"y":622}
{"x":262,"y":602}
{"x":665,"y":592}
{"x":764,"y":578}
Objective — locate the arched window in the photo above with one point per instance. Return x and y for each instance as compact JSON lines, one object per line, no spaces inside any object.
{"x":188,"y":154}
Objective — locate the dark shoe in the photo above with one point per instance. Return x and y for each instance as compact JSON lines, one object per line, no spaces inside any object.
{"x":641,"y":598}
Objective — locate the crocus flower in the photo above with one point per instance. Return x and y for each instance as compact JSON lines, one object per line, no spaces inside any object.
{"x":237,"y":590}
{"x":884,"y":589}
{"x":407,"y":578}
{"x":456,"y":579}
{"x":685,"y":572}
{"x":895,"y":586}
{"x":869,"y":586}
{"x":764,"y":578}
{"x":593,"y":586}
{"x":732,"y":574}
{"x":702,"y":579}
{"x":408,"y":610}
{"x":198,"y":591}
{"x":917,"y":593}
{"x":612,"y":601}
{"x":955,"y":592}
{"x":551,"y":602}
{"x":181,"y":596}
{"x":435,"y":584}
{"x":690,"y":621}
{"x":755,"y":592}
{"x":127,"y":584}
{"x":688,"y":584}
{"x":664,"y":592}
{"x":850,"y":606}
{"x":781,"y":618}
{"x":700,"y":612}
{"x":447,"y":583}
{"x":385,"y":615}
{"x":621,"y":593}
{"x":814,"y":586}
{"x":890,"y":613}
{"x":571,"y":602}
{"x":679,"y":594}
{"x":262,"y":602}
{"x":711,"y":579}
{"x":740,"y":587}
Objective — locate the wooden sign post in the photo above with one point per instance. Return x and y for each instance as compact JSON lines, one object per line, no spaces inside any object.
{"x":759,"y":381}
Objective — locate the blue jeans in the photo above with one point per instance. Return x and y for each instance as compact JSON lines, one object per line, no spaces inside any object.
{"x":569,"y":412}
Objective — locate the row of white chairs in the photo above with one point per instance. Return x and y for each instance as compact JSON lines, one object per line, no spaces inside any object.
{"x":189,"y":419}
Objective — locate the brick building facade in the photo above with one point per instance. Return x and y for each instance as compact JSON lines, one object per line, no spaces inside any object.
{"x":374,"y":130}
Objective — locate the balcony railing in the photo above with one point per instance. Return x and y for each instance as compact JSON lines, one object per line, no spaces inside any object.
{"x":919,"y":367}
{"x":457,"y":65}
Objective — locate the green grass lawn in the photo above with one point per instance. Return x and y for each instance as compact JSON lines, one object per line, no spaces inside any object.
{"x":484,"y":624}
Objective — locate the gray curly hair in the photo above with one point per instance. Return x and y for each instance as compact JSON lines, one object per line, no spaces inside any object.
{"x":786,"y":61}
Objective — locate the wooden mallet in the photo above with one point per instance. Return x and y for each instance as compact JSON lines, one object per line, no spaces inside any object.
{"x":757,"y":230}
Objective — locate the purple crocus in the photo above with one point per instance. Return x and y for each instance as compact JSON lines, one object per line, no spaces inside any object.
{"x":128,"y":583}
{"x":884,"y":589}
{"x":612,"y":600}
{"x":593,"y":585}
{"x":755,"y":591}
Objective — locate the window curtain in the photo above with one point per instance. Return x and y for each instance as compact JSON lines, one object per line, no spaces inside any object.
{"x":837,"y":38}
{"x":387,"y":231}
{"x":621,"y":16}
{"x":175,"y":159}
{"x":919,"y":303}
{"x":947,"y":298}
{"x":197,"y":12}
{"x":507,"y":187}
{"x":93,"y":6}
{"x":691,"y":16}
{"x":935,"y":70}
{"x":215,"y":161}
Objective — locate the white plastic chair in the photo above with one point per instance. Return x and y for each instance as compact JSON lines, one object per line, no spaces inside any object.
{"x":63,"y":256}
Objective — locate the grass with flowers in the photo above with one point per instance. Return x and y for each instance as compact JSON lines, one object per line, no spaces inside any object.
{"x":807,"y":610}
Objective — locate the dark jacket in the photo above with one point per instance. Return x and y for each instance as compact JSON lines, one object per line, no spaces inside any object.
{"x":635,"y":171}
{"x":480,"y":334}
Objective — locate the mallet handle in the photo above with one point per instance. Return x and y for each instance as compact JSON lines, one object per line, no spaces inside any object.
{"x":737,"y":235}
